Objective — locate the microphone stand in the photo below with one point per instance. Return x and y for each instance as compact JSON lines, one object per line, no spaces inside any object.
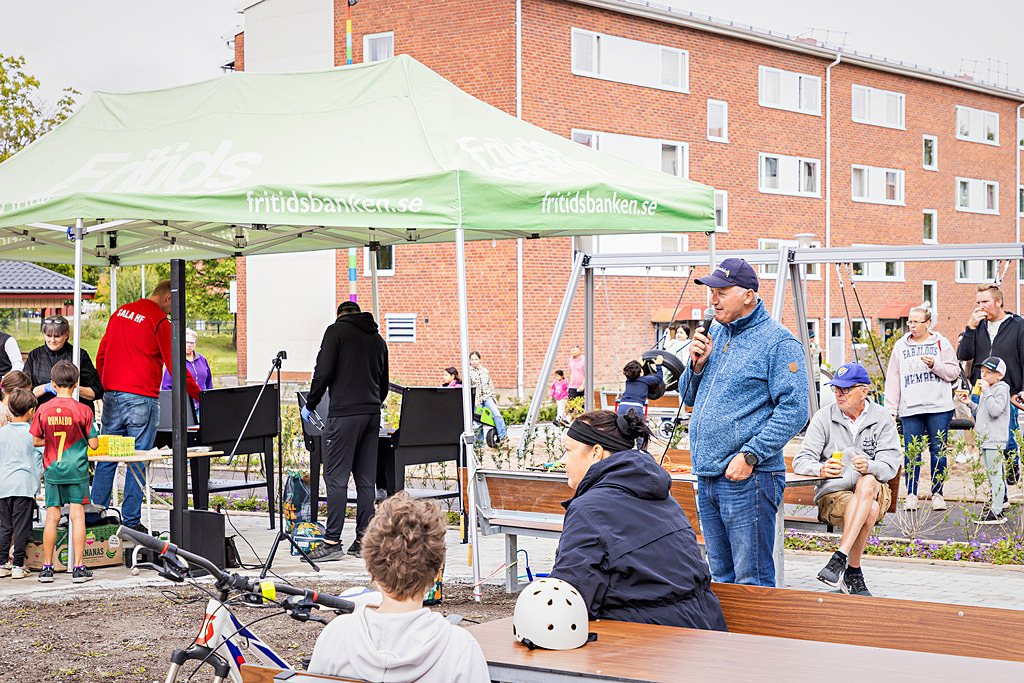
{"x":282,"y":535}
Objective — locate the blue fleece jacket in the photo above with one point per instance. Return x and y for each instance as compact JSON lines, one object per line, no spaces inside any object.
{"x":750,"y":397}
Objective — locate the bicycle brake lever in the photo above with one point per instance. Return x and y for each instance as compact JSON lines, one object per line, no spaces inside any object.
{"x":300,"y":608}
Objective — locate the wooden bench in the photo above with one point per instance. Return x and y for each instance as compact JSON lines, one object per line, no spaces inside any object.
{"x":964,"y":631}
{"x":517,"y":503}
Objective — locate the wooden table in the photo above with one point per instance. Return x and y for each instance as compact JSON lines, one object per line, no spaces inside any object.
{"x":641,"y":652}
{"x":147,"y":458}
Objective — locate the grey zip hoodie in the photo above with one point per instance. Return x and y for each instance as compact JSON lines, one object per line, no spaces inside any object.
{"x":876,"y":438}
{"x":411,"y":646}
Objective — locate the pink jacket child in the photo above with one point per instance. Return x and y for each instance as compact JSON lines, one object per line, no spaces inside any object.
{"x":559,"y":389}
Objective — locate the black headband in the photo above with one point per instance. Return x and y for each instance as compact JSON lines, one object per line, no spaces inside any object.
{"x":587,"y":434}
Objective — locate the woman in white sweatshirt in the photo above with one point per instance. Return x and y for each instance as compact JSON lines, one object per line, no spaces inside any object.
{"x":918,"y":390}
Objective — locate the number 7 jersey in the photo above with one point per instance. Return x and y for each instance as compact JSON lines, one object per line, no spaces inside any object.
{"x":66,"y":427}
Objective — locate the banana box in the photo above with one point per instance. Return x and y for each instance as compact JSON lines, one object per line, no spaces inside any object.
{"x":102,"y":548}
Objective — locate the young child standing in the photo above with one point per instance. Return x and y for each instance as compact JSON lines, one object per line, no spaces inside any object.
{"x":560,"y":394}
{"x":992,"y":414}
{"x":21,"y":466}
{"x":64,"y":427}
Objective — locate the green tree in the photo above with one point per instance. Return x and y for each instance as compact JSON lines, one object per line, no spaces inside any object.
{"x":207,"y":284}
{"x":23,"y":115}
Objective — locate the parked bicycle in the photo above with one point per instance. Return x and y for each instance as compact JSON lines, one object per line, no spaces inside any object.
{"x":224,"y":642}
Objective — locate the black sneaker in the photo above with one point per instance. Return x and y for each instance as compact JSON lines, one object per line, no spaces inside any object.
{"x":356,"y":549}
{"x":81,"y":575}
{"x":141,"y":528}
{"x":325,"y":552}
{"x":832,"y":573}
{"x":45,"y":575}
{"x":853,"y":584}
{"x":991,"y":518}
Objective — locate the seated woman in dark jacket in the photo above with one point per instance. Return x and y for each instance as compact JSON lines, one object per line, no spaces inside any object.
{"x":626,"y":544}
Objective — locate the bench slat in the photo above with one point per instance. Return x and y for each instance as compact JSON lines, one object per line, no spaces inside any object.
{"x":960,"y":630}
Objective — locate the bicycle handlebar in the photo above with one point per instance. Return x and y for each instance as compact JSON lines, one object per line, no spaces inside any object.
{"x":236,"y":581}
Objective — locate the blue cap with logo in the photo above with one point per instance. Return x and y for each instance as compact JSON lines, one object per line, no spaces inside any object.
{"x":849,"y":375}
{"x":732,"y":272}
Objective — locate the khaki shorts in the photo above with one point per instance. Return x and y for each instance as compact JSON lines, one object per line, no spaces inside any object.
{"x":832,"y":506}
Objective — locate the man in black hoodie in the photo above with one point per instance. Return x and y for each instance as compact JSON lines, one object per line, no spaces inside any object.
{"x":991,"y":331}
{"x":353,"y":364}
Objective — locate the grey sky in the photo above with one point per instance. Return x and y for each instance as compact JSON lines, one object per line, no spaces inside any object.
{"x":127,"y":45}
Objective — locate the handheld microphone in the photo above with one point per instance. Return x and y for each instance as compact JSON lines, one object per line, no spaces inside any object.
{"x":709,"y":317}
{"x":283,"y":355}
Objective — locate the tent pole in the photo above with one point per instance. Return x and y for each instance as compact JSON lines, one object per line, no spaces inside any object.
{"x":556,"y":338}
{"x":79,"y":238}
{"x":800,"y":306}
{"x":468,"y":439}
{"x":373,"y":281}
{"x":588,"y":339}
{"x":781,"y":275}
{"x":113,"y":289}
{"x":711,"y":259}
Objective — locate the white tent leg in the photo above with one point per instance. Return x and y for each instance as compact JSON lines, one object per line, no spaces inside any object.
{"x":113,"y":289}
{"x":556,"y":339}
{"x":79,"y":236}
{"x":588,"y":339}
{"x":467,"y":409}
{"x":373,"y":284}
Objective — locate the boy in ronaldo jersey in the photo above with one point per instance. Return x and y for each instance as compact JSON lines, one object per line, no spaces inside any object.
{"x":64,"y":427}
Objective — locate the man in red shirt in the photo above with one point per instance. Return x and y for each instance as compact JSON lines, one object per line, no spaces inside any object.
{"x":130,"y":362}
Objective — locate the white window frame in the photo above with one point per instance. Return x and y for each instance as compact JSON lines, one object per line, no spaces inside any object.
{"x":579,"y":34}
{"x":874,"y":271}
{"x":977,"y":271}
{"x":370,"y":37}
{"x":803,"y":81}
{"x":934,"y":239}
{"x":934,"y":300}
{"x":800,"y":161}
{"x":769,"y":271}
{"x":854,"y":323}
{"x":972,"y":188}
{"x":592,"y":139}
{"x":935,"y":152}
{"x":724,"y":137}
{"x":1020,"y":200}
{"x":870,"y":94}
{"x":722,"y":200}
{"x":381,"y":272}
{"x":901,"y":189}
{"x":983,"y":117}
{"x":399,"y":320}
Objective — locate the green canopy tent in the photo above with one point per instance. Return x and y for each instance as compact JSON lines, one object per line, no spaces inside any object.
{"x":381,"y":153}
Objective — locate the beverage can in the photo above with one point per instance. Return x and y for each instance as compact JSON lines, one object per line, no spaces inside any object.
{"x":977,"y":389}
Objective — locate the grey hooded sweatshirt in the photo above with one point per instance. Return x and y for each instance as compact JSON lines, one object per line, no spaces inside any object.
{"x":398,"y":648}
{"x":876,"y":438}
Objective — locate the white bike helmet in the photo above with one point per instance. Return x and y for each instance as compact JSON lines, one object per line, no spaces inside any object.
{"x":550,"y":614}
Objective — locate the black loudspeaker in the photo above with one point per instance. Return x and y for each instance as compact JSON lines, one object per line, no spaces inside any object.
{"x":202,"y":533}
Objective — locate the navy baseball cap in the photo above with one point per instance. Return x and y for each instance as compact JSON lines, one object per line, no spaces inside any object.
{"x":849,"y":375}
{"x":732,"y":272}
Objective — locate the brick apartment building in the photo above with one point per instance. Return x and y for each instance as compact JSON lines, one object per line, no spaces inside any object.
{"x":916,"y":157}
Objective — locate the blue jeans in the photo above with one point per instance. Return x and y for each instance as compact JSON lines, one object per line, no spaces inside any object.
{"x":499,"y":421}
{"x":126,"y":414}
{"x":738,"y":521}
{"x":934,"y":427}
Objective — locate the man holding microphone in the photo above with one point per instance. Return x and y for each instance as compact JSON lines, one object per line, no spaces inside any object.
{"x":747,"y":383}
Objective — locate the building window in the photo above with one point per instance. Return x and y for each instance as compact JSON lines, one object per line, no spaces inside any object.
{"x":400,"y":327}
{"x":977,"y":272}
{"x":977,"y":196}
{"x":931,"y":153}
{"x":385,"y":260}
{"x":977,"y":125}
{"x":670,"y":156}
{"x":378,"y":46}
{"x":597,"y":55}
{"x":929,"y":289}
{"x":930,"y":226}
{"x":878,"y":107}
{"x":789,"y":90}
{"x":718,"y":121}
{"x":770,"y":270}
{"x":797,"y":176}
{"x":877,"y":185}
{"x":877,"y":271}
{"x":721,"y":211}
{"x":858,"y":329}
{"x":673,"y":244}
{"x":1020,"y":200}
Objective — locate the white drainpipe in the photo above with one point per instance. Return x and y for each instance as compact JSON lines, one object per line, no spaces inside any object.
{"x":825,"y":332}
{"x":1016,"y":196}
{"x":520,"y":353}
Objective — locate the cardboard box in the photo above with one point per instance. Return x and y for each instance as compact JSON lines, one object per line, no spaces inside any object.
{"x":102,"y":548}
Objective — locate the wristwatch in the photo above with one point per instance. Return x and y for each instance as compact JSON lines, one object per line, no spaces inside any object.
{"x":750,"y":459}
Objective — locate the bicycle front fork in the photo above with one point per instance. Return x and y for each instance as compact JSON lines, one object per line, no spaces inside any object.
{"x":221,"y":670}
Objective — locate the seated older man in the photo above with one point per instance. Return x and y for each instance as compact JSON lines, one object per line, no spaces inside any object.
{"x":855,"y":442}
